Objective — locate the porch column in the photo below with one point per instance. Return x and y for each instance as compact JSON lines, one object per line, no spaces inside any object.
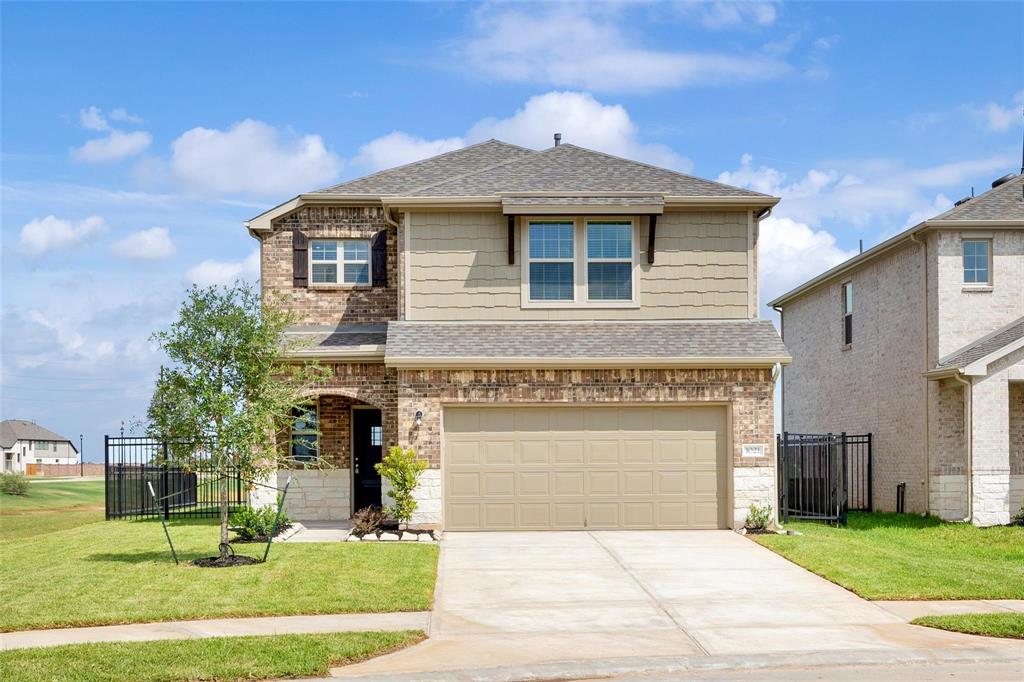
{"x":990,"y":455}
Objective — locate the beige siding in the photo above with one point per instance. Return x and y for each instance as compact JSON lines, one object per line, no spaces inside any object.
{"x":458,"y":270}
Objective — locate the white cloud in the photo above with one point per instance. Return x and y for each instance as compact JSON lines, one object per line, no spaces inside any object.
{"x":398,"y":148}
{"x":996,"y":117}
{"x":123,"y":116}
{"x":70,"y":340}
{"x":52,"y":233}
{"x":251,"y":157}
{"x":114,"y":147}
{"x":578,"y":116}
{"x":211,"y":272}
{"x":879,"y":193}
{"x":585,"y":46}
{"x":152,"y":244}
{"x":719,"y":15}
{"x":92,"y":119}
{"x":793,"y":252}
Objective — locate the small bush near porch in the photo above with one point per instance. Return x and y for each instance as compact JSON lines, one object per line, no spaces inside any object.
{"x":122,"y":572}
{"x":901,"y":556}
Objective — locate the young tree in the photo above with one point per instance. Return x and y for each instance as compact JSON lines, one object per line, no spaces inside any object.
{"x":402,"y":468}
{"x":228,"y":390}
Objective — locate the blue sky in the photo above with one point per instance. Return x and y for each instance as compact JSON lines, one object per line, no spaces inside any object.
{"x":155,"y":130}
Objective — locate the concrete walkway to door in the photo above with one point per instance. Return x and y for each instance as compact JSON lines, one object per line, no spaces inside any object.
{"x":522,"y":599}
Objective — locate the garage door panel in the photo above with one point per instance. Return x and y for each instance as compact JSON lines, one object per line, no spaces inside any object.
{"x":583,"y":467}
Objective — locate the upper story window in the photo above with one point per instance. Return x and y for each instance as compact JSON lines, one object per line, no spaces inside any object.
{"x":847,"y":313}
{"x":41,"y":445}
{"x":585,"y":262}
{"x":305,"y":435}
{"x":552,"y":261}
{"x":340,"y":261}
{"x":610,"y":261}
{"x":977,"y":261}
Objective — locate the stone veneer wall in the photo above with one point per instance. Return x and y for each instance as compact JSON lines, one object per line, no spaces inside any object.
{"x":330,"y":305}
{"x":748,"y":391}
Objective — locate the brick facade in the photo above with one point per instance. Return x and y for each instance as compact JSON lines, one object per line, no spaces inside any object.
{"x":319,"y":305}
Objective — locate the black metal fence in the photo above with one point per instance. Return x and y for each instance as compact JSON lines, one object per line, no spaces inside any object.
{"x":132,"y":463}
{"x":823,"y":476}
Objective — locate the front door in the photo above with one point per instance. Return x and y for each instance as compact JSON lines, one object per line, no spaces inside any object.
{"x":366,"y":451}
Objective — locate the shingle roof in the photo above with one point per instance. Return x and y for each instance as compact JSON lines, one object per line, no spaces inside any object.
{"x":12,"y":430}
{"x":667,"y":342}
{"x":337,"y":340}
{"x":1005,"y":202}
{"x":435,"y":169}
{"x":583,"y":201}
{"x":494,"y":167}
{"x":984,"y":346}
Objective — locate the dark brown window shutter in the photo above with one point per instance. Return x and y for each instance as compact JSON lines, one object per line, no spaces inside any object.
{"x":379,"y":257}
{"x":300,"y":259}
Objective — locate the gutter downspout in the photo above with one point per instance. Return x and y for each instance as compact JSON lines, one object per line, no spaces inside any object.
{"x":927,"y":406}
{"x":969,"y":436}
{"x":782,"y":391}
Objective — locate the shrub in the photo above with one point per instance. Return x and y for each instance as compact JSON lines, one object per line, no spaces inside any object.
{"x":402,"y":469}
{"x":758,"y":517}
{"x":257,"y":523}
{"x":1018,"y":518}
{"x":368,"y":521}
{"x":13,"y":484}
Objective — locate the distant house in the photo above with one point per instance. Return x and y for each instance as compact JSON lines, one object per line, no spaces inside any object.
{"x":26,"y":442}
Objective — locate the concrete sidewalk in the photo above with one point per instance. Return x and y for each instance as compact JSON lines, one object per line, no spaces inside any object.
{"x":220,"y":627}
{"x":909,"y":610}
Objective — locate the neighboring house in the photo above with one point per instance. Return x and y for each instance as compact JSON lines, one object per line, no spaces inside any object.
{"x":26,"y":442}
{"x":920,"y":340}
{"x":570,"y":339}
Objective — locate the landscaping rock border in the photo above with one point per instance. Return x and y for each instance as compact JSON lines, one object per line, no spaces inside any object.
{"x":408,"y":535}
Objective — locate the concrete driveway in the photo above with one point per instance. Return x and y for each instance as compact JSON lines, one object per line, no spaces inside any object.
{"x":522,"y":599}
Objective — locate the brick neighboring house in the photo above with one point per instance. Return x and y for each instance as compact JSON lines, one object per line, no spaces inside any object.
{"x":25,"y":444}
{"x":568,"y":338}
{"x":935,"y":365}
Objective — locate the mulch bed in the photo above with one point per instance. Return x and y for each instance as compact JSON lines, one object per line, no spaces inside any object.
{"x":217,"y":562}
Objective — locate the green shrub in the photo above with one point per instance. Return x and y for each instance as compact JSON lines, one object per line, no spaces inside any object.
{"x":256,"y":524}
{"x":402,"y":469}
{"x":13,"y":484}
{"x":758,"y":517}
{"x":1018,"y":518}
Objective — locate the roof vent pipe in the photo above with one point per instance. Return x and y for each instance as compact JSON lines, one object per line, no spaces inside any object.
{"x":558,"y":139}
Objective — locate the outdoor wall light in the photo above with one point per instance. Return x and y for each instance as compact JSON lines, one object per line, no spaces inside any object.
{"x":419,"y":417}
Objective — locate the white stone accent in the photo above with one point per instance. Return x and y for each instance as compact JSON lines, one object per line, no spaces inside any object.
{"x":318,"y":495}
{"x":752,"y":485}
{"x":429,"y":498}
{"x":262,"y":495}
{"x":949,"y":497}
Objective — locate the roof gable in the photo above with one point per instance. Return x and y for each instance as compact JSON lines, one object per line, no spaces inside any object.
{"x":12,"y":430}
{"x":985,"y":350}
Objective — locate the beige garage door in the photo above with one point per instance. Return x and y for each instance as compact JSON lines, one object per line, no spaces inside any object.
{"x":537,"y":468}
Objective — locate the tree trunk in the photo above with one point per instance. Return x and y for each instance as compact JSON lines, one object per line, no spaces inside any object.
{"x":224,"y":547}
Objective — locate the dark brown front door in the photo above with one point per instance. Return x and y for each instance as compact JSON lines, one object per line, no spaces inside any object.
{"x":366,"y":451}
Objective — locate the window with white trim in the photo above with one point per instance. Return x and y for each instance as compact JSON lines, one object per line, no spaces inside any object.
{"x":610,"y":260}
{"x":847,"y":313}
{"x":977,"y":261}
{"x":552,"y":260}
{"x":305,"y":434}
{"x":340,"y":261}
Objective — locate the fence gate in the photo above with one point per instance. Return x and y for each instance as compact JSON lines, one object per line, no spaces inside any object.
{"x":823,"y":476}
{"x":131,"y":462}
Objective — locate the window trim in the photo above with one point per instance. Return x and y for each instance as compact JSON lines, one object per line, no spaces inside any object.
{"x":846,"y":301}
{"x":315,"y":408}
{"x":340,"y":262}
{"x":581,"y":293}
{"x":963,"y":269}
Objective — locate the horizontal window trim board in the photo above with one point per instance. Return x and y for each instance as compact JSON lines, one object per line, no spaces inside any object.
{"x":469,"y":362}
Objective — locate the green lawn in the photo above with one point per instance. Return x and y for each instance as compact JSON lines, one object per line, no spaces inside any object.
{"x":122,"y":572}
{"x":50,"y":506}
{"x":1009,"y":625}
{"x":900,"y":556}
{"x":222,"y":658}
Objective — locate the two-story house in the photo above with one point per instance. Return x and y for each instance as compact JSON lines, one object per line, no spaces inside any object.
{"x":570,"y":339}
{"x":25,"y":444}
{"x":920,"y":340}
